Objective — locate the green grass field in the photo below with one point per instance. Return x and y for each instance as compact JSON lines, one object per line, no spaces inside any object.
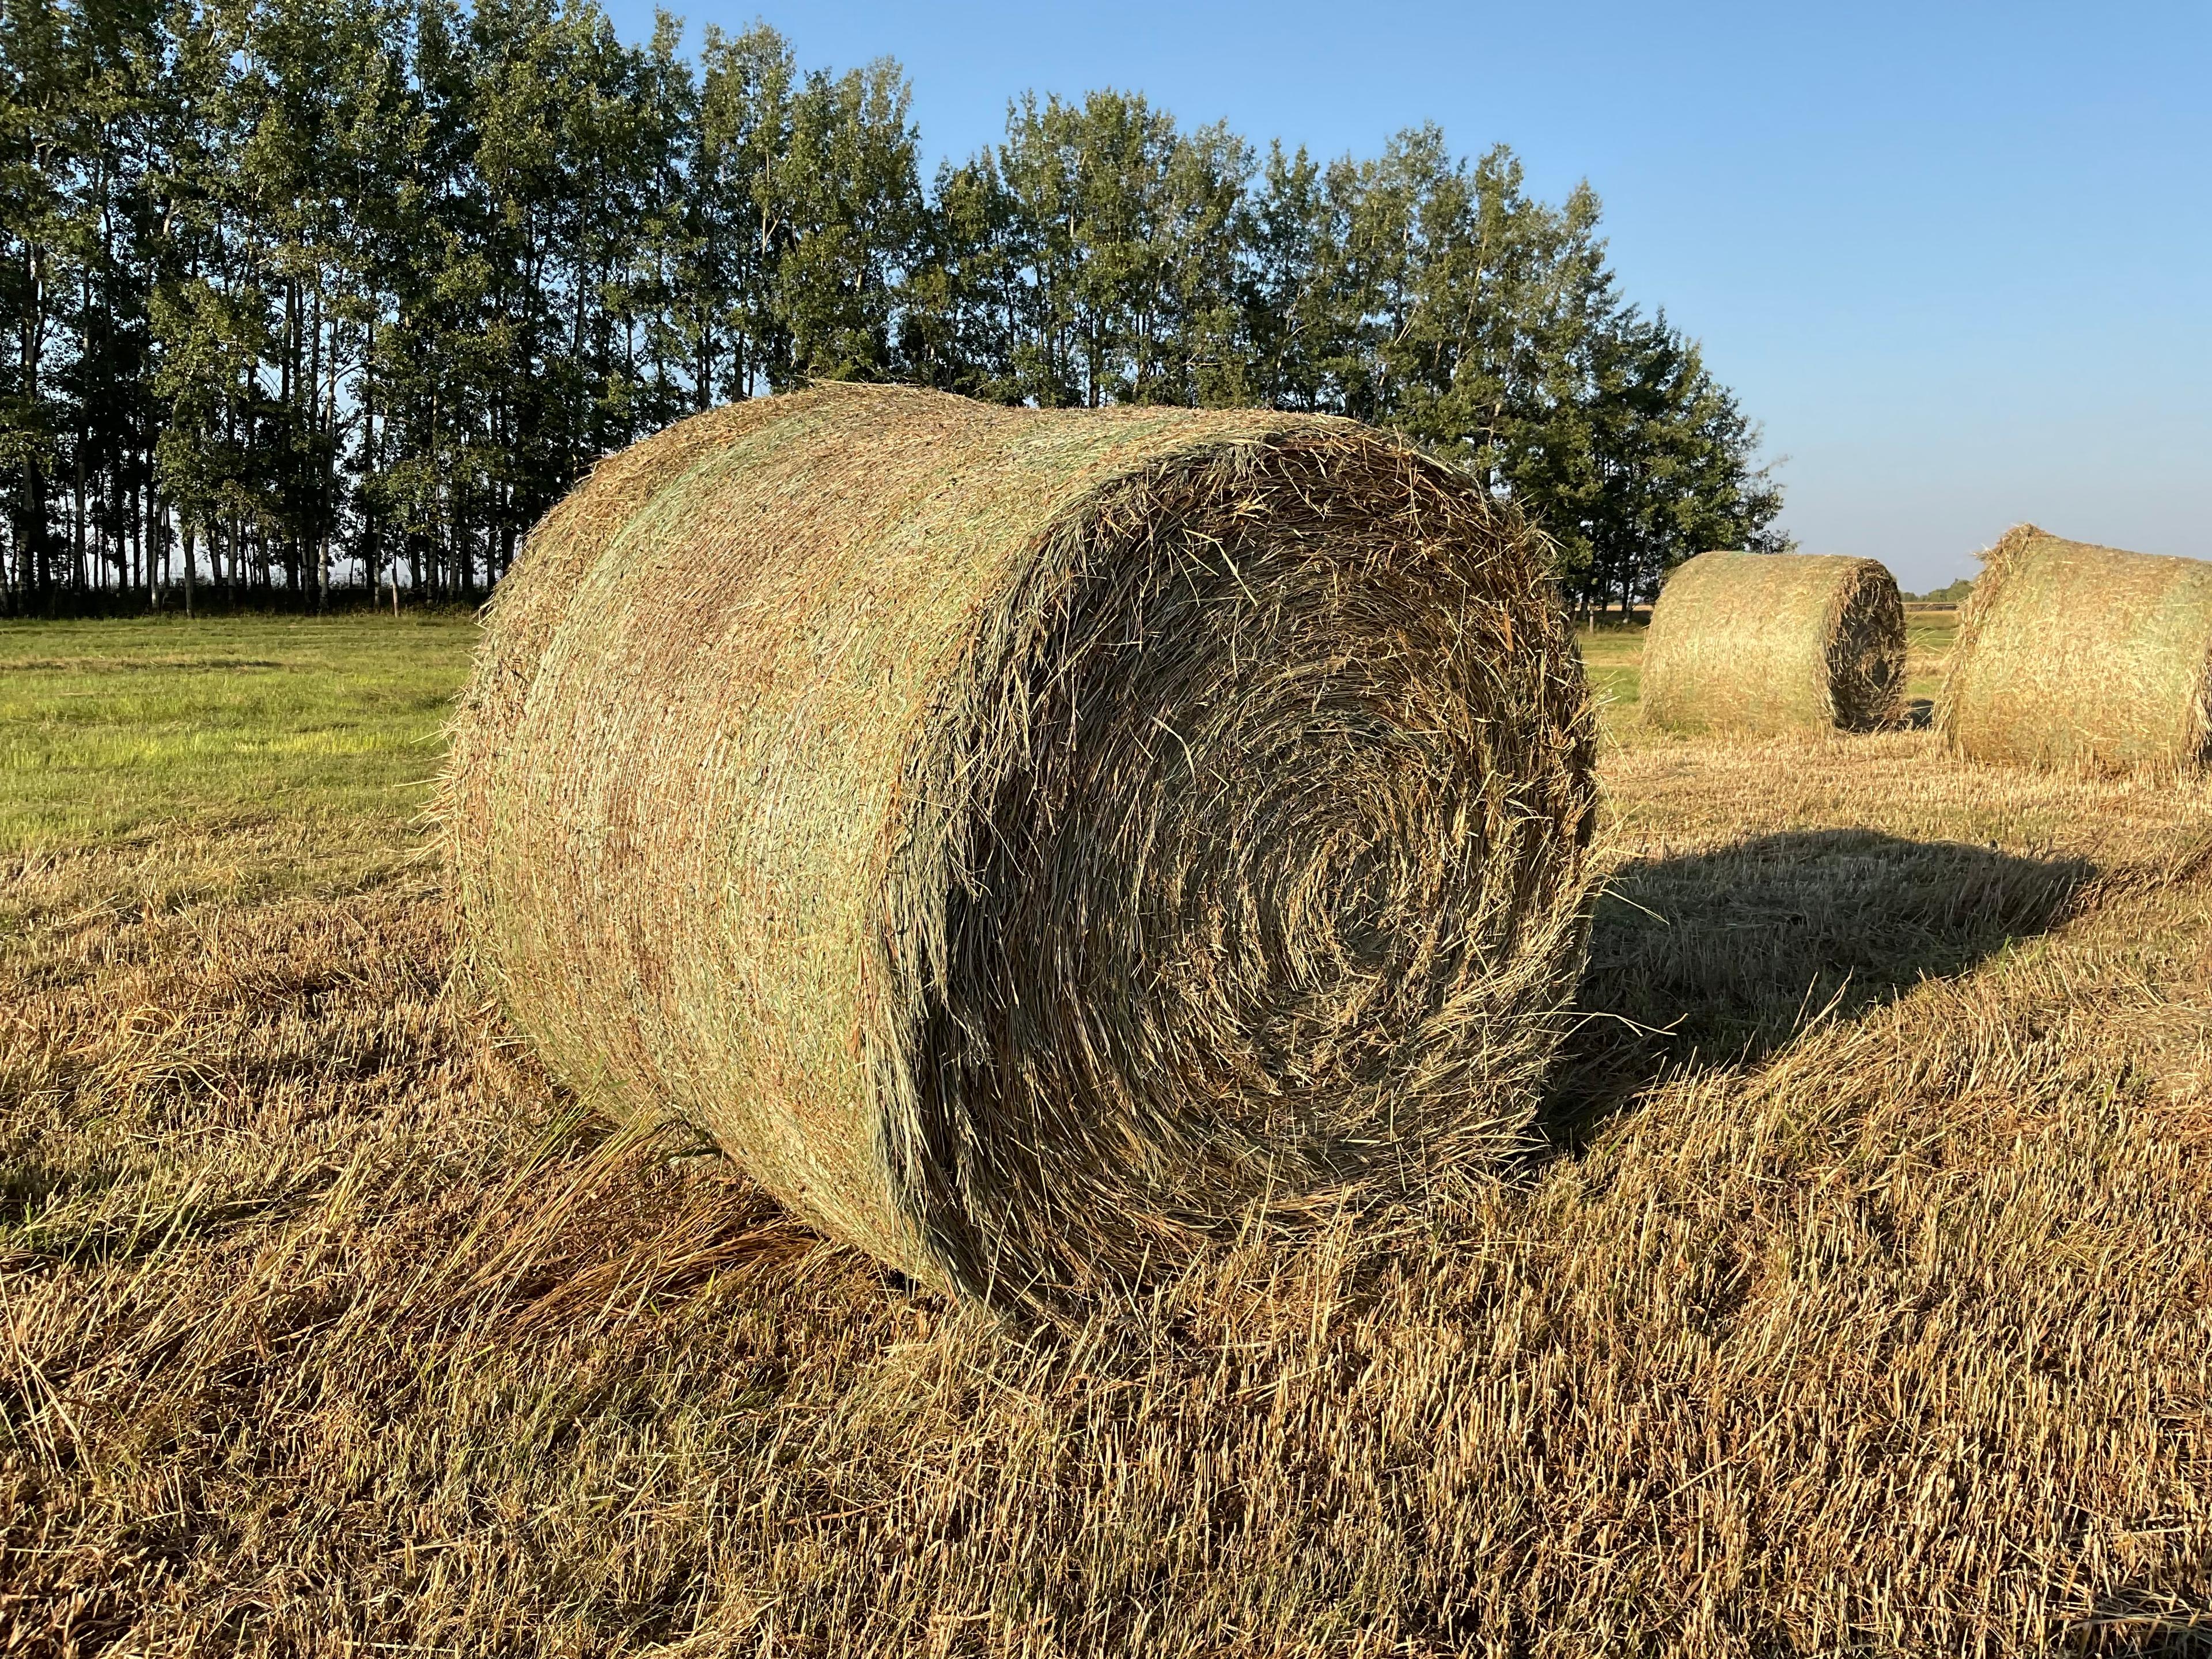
{"x":1858,"y":1301}
{"x":114,"y":727}
{"x":1611,"y":654}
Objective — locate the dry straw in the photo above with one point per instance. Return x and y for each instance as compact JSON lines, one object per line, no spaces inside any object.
{"x":1774,"y":641}
{"x":2073,"y":655}
{"x":1033,"y":842}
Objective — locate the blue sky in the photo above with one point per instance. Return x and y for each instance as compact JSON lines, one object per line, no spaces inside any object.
{"x":1953,"y":257}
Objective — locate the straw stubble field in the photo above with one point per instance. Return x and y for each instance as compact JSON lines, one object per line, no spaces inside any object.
{"x":1862,"y":1298}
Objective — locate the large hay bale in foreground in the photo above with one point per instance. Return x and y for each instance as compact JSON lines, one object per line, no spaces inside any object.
{"x":2070,"y":654}
{"x":1765,"y":642}
{"x":1031,"y":842}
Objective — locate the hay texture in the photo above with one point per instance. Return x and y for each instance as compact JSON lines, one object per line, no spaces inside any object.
{"x":1766,"y":642}
{"x":2073,"y":655}
{"x":1031,"y":842}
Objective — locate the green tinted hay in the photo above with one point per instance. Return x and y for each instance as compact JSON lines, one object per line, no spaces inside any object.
{"x":1029,"y":842}
{"x":2073,"y":655}
{"x":1772,"y":643}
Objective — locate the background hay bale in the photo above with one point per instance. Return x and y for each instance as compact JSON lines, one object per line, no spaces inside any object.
{"x":1028,"y":841}
{"x":2070,"y":654}
{"x":1774,"y":642}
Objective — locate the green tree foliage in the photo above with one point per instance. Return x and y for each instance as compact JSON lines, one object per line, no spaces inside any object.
{"x":313,"y":290}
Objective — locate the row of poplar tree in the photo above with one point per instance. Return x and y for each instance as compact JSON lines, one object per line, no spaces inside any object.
{"x":318,"y":292}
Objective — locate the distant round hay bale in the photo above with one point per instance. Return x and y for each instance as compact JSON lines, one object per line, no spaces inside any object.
{"x":1765,"y":642}
{"x":1033,"y":842}
{"x":2073,"y":655}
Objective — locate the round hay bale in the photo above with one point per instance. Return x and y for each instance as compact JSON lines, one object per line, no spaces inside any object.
{"x":1765,"y":642}
{"x":2073,"y":655}
{"x":1033,"y":842}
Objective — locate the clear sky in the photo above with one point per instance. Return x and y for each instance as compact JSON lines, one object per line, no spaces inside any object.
{"x":1953,"y":257}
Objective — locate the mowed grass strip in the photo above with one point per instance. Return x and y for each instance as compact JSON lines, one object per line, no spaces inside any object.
{"x":108,"y":729}
{"x":1862,"y":1303}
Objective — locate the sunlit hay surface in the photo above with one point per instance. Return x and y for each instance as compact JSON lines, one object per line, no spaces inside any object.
{"x":1029,"y":841}
{"x":1870,"y":1315}
{"x":1774,"y":642}
{"x":2075,"y":656}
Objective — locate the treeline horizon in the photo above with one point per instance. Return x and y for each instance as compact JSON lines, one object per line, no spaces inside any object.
{"x":321,"y":294}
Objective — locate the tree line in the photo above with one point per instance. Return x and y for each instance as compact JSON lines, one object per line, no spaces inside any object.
{"x":318,"y":292}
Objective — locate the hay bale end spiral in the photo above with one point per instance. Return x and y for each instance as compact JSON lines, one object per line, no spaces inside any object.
{"x":1033,"y":842}
{"x":1769,"y":642}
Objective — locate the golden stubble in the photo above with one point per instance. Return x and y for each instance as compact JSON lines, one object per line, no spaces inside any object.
{"x":1872,"y":1312}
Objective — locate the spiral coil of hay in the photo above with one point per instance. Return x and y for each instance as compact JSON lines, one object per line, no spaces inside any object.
{"x":2069,"y":654}
{"x":1033,"y":842}
{"x":1766,"y":642}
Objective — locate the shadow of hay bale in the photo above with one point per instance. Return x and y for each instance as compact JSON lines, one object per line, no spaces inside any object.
{"x":1721,"y":958}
